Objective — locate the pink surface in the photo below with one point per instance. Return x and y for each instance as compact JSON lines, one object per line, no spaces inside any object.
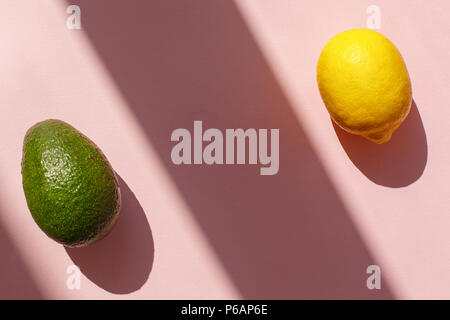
{"x":138,"y":70}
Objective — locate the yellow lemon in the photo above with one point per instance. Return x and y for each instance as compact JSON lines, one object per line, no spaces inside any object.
{"x":364,"y":84}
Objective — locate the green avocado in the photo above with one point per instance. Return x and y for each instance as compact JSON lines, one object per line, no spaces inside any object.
{"x":71,"y":189}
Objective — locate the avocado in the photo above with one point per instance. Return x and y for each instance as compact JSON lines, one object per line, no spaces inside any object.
{"x":71,"y":189}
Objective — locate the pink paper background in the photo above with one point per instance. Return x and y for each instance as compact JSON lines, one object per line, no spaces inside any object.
{"x":137,"y":70}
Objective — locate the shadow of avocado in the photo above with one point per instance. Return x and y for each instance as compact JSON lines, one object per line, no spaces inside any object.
{"x":121,"y":262}
{"x":396,"y":163}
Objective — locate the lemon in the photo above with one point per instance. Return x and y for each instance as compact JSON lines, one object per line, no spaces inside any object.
{"x":364,"y":84}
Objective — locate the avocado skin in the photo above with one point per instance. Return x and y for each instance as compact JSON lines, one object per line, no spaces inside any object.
{"x":70,"y":187}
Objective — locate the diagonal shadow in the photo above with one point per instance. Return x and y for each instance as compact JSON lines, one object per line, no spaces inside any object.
{"x":282,"y":236}
{"x":15,"y":280}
